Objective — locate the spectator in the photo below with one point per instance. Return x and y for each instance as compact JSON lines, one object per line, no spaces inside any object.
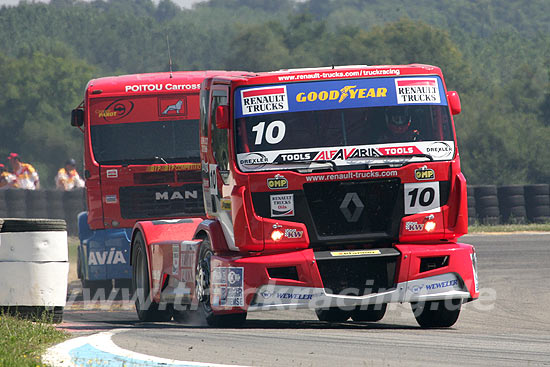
{"x":26,"y":176}
{"x":67,"y":178}
{"x":7,"y":179}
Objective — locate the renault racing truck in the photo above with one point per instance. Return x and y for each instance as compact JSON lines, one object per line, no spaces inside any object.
{"x":333,"y":189}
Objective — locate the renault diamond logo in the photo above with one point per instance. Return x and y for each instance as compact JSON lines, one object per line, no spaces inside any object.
{"x":352,"y":197}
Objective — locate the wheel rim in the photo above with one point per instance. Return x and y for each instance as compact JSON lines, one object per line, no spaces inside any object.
{"x":202,"y":283}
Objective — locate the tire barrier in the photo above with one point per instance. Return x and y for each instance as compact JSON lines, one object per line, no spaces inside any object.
{"x":487,"y":204}
{"x":15,"y":203}
{"x":72,"y":205}
{"x":511,"y":201}
{"x":35,"y":266}
{"x":537,"y":203}
{"x":36,"y":203}
{"x":55,"y":204}
{"x":3,"y":207}
{"x":472,"y":215}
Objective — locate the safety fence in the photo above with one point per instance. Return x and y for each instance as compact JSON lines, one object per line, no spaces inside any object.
{"x":53,"y":204}
{"x":487,"y":204}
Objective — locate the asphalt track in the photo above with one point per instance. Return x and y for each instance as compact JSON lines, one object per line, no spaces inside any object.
{"x":508,"y":326}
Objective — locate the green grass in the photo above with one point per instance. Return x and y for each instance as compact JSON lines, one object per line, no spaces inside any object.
{"x":73,"y":249}
{"x":535,"y":227}
{"x":22,"y":342}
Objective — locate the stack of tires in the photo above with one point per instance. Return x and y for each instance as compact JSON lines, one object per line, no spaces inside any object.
{"x":55,"y":204}
{"x":15,"y":203}
{"x":487,"y":204}
{"x":512,"y":204}
{"x":73,"y":203}
{"x":537,"y":203}
{"x":472,"y":214}
{"x":3,"y":207}
{"x":36,"y":203}
{"x":35,"y":266}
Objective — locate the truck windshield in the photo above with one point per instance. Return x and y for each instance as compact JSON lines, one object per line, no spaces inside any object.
{"x":336,"y":121}
{"x":146,"y":142}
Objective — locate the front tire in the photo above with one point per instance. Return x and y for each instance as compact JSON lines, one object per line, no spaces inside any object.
{"x":372,"y":313}
{"x":433,"y":314}
{"x":332,"y":314}
{"x":146,"y":308}
{"x":202,"y":292}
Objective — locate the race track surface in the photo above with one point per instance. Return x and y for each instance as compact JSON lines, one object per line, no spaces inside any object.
{"x":508,"y":326}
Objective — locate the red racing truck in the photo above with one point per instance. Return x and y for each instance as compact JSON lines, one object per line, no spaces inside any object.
{"x":142,"y":162}
{"x":334,"y":189}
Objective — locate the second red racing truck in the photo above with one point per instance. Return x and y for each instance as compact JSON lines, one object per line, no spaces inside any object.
{"x":334,"y":189}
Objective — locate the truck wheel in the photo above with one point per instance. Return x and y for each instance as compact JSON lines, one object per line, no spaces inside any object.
{"x":202,"y":292}
{"x":431,"y":314}
{"x":332,"y":314}
{"x":371,"y":313}
{"x":97,"y":287}
{"x":146,"y":309}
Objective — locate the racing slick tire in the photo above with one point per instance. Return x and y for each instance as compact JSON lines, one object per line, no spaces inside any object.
{"x":97,"y":287}
{"x":332,"y":314}
{"x":370,"y":313}
{"x":146,"y":308}
{"x":434,"y":314}
{"x":202,"y":293}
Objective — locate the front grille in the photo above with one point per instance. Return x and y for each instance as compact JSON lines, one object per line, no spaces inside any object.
{"x":358,"y":276}
{"x":354,"y":207}
{"x":161,"y":201}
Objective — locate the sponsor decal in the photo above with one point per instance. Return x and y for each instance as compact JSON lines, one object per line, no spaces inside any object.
{"x":112,"y":173}
{"x":295,"y":157}
{"x":227,"y":287}
{"x":443,"y":284}
{"x":347,"y":153}
{"x":111,"y":257}
{"x":439,"y":149}
{"x":416,"y":288}
{"x":351,"y":176}
{"x":355,"y":252}
{"x":264,"y":100}
{"x":348,"y":91}
{"x":414,"y":226}
{"x":277,"y":183}
{"x":424,"y":173}
{"x":352,"y":200}
{"x":160,"y":87}
{"x":421,"y":197}
{"x":175,"y":167}
{"x":116,"y":110}
{"x":172,"y":106}
{"x":392,"y":151}
{"x":225,"y":204}
{"x":294,"y":296}
{"x":170,"y":221}
{"x":417,"y":90}
{"x":254,"y":160}
{"x":176,"y":195}
{"x":111,"y":199}
{"x":293,"y":233}
{"x":282,"y":205}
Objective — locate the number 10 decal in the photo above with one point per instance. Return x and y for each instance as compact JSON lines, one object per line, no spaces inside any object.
{"x":271,"y":136}
{"x":421,"y":197}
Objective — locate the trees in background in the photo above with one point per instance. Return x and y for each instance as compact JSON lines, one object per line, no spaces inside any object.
{"x":495,"y":53}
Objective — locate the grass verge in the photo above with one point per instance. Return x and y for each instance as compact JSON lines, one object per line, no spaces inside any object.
{"x":534,"y":227}
{"x":23,"y":341}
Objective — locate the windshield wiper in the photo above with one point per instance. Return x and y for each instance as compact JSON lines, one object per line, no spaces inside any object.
{"x":323,"y":164}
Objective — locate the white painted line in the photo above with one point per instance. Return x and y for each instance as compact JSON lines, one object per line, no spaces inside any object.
{"x":100,"y":350}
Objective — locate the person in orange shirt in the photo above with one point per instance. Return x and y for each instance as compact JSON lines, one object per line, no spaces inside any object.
{"x":6,"y":178}
{"x":67,"y":177}
{"x":26,"y":176}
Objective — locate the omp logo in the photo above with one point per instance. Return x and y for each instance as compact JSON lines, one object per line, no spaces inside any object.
{"x":424,"y":173}
{"x":277,"y":183}
{"x":176,"y":195}
{"x":352,"y":197}
{"x":349,"y":91}
{"x":111,"y":257}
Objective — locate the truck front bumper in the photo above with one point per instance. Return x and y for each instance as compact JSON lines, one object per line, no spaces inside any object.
{"x":308,"y":279}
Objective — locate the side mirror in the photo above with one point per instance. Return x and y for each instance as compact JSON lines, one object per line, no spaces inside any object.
{"x":77,"y":117}
{"x":454,"y":102}
{"x":222,"y":117}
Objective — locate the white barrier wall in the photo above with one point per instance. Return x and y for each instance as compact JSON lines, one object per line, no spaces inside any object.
{"x":34,"y":268}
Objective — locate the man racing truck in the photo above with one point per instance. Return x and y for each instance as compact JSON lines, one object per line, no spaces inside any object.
{"x":335,"y":189}
{"x":141,"y":157}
